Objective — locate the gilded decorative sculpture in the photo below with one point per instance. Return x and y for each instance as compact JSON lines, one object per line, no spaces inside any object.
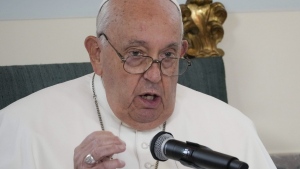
{"x":203,"y":20}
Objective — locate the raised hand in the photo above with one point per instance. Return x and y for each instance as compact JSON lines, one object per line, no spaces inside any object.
{"x":96,"y":151}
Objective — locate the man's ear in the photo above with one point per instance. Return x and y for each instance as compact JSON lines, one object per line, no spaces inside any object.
{"x":92,"y":47}
{"x":184,"y":48}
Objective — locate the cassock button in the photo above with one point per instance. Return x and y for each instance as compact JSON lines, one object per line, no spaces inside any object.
{"x":148,"y":165}
{"x":145,"y":145}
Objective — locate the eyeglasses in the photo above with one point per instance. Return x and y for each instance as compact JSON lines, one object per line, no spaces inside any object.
{"x":134,"y":63}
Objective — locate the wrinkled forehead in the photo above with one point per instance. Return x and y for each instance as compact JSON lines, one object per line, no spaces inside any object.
{"x":173,"y":1}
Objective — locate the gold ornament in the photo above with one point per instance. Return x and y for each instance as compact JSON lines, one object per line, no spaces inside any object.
{"x":203,"y":20}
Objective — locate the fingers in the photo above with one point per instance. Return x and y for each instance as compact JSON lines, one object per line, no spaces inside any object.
{"x":102,"y":145}
{"x":102,"y":138}
{"x":110,"y":164}
{"x":106,"y":151}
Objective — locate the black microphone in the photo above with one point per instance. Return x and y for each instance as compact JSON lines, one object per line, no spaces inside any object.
{"x":164,"y":147}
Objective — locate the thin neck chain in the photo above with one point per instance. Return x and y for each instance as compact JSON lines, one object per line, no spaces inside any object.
{"x":96,"y":103}
{"x":100,"y":117}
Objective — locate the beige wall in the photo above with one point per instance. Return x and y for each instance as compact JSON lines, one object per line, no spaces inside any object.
{"x":44,"y":41}
{"x":263,"y":74}
{"x":261,"y":61}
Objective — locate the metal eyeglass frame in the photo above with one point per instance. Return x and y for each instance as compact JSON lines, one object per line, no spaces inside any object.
{"x":123,"y":59}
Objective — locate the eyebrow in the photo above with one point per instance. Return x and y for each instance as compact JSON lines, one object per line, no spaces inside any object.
{"x":144,"y":43}
{"x":175,"y":44}
{"x":137,"y":42}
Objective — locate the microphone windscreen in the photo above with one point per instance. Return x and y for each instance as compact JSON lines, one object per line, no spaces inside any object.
{"x":157,"y":145}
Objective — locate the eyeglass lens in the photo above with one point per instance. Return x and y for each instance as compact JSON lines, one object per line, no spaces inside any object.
{"x":168,"y":66}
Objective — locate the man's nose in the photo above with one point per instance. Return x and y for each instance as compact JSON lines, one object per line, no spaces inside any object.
{"x":153,"y":74}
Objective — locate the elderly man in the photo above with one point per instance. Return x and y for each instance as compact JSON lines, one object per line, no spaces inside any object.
{"x":107,"y":119}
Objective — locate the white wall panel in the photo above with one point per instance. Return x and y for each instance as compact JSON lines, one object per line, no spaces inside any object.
{"x":262,"y":71}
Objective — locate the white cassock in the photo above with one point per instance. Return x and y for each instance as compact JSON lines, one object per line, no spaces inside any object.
{"x":42,"y":130}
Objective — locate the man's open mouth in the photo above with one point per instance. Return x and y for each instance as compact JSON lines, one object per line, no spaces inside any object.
{"x":149,"y":97}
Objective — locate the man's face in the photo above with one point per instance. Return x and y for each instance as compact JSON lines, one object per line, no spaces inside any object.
{"x":143,"y":101}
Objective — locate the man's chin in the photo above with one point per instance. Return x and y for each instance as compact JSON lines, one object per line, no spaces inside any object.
{"x":145,"y":126}
{"x":147,"y":120}
{"x":146,"y":115}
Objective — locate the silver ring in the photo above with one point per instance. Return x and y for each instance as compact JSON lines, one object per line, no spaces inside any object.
{"x":89,"y":159}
